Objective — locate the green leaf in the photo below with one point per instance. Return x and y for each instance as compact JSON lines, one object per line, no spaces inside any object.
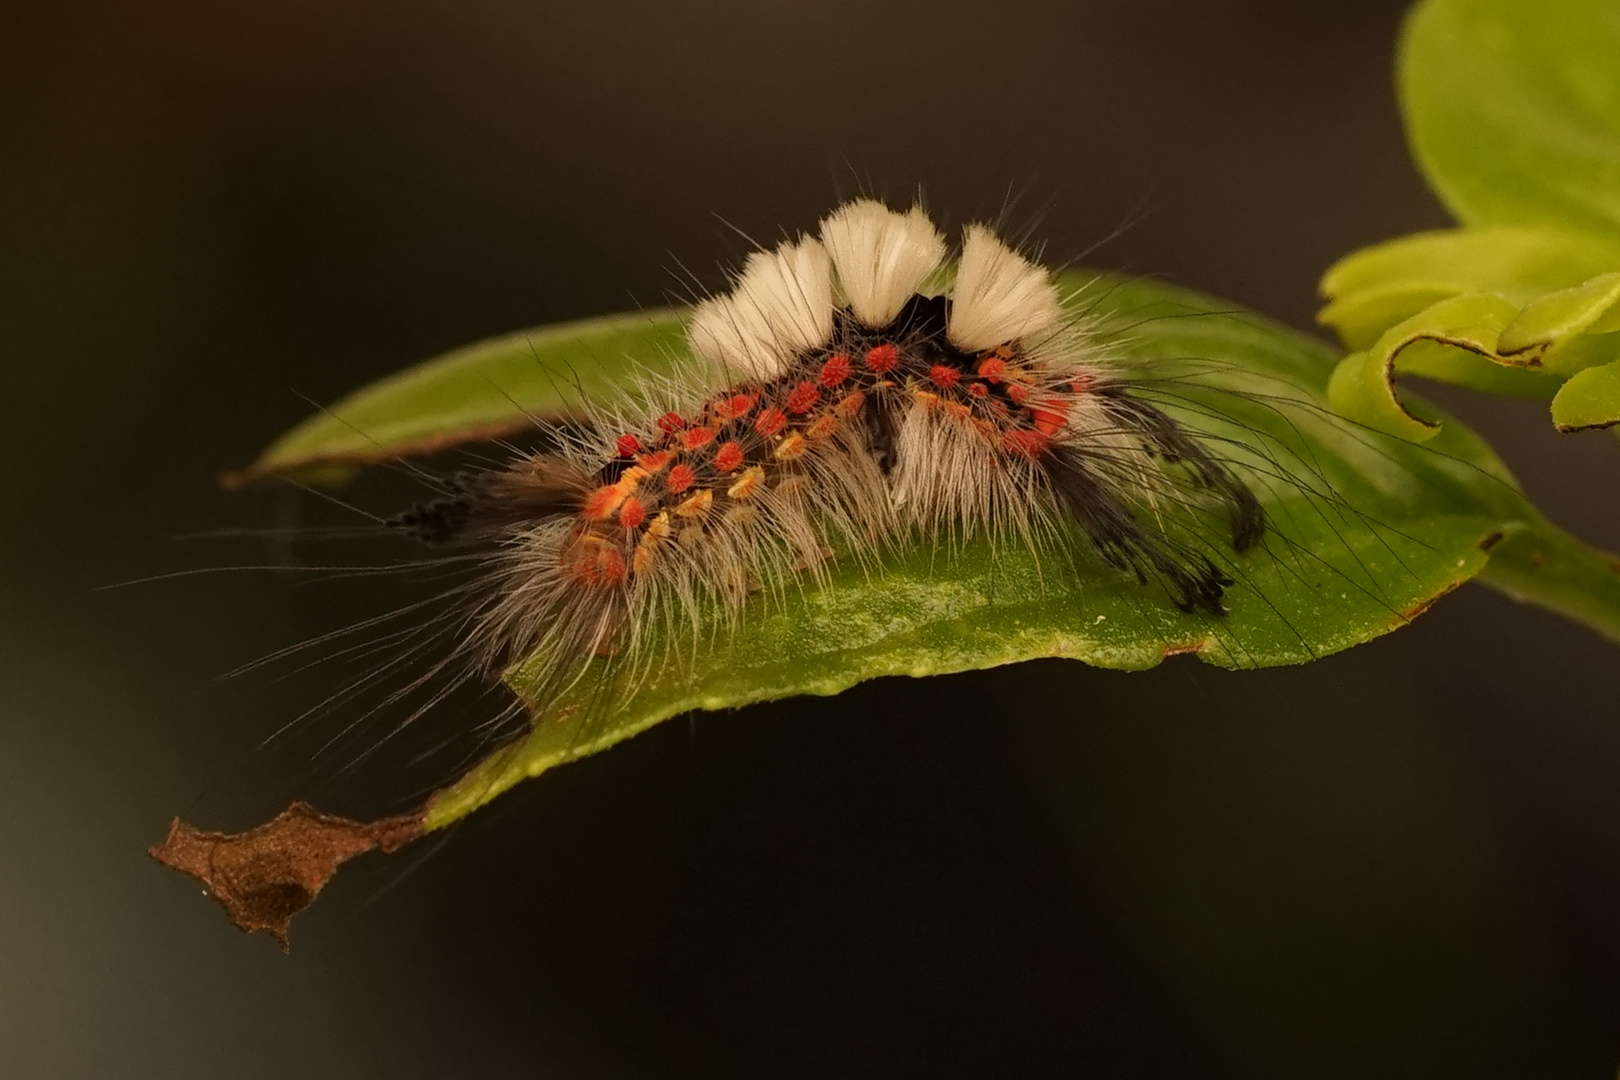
{"x":1565,"y":331}
{"x":1590,"y":399}
{"x":1509,"y":311}
{"x":1367,"y":531}
{"x":1513,"y":110}
{"x":1543,"y":565}
{"x":481,"y":391}
{"x":1452,"y":341}
{"x":1374,"y":288}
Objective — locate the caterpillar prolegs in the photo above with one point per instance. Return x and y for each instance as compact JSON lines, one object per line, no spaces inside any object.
{"x":854,"y":388}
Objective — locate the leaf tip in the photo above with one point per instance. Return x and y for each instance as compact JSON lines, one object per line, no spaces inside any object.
{"x":268,"y":874}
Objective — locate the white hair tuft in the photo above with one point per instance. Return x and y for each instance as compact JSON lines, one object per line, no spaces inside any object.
{"x":781,"y":306}
{"x":999,"y":296}
{"x":882,"y":256}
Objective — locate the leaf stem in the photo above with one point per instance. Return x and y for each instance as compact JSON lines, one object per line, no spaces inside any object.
{"x":1542,"y":564}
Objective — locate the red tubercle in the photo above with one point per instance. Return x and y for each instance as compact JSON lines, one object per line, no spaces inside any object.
{"x":803,"y":398}
{"x":681,"y":477}
{"x":628,"y":445}
{"x":991,"y":369}
{"x":1018,"y":393}
{"x":825,"y":425}
{"x":944,"y":376}
{"x":978,"y":389}
{"x":734,"y":406}
{"x":770,"y":421}
{"x":882,"y":358}
{"x":696,"y":438}
{"x":632,"y":515}
{"x":729,"y":457}
{"x":670,"y":423}
{"x":835,"y":370}
{"x":1026,"y":442}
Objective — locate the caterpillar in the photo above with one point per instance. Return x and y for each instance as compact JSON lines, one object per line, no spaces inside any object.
{"x":856,"y":388}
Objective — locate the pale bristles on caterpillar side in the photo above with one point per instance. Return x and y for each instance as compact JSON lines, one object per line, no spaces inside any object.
{"x":839,"y":403}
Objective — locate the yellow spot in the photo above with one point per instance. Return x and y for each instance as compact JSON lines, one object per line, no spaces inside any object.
{"x":791,"y":447}
{"x":747,"y":483}
{"x":696,"y":505}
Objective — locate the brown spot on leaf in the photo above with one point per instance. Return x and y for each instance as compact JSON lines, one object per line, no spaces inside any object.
{"x":1191,"y":648}
{"x":1491,"y":540}
{"x":265,"y":876}
{"x":1424,"y":605}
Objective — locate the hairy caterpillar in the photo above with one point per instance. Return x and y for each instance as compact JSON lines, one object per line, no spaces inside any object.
{"x":853,"y":388}
{"x":859,"y":408}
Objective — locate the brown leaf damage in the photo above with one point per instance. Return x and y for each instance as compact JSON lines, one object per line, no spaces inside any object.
{"x":265,"y":876}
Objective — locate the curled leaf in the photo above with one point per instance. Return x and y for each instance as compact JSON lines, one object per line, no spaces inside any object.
{"x":1454,"y":340}
{"x":1372,"y":289}
{"x":1513,"y":334}
{"x":1567,"y":330}
{"x":1590,"y":399}
{"x":266,"y":875}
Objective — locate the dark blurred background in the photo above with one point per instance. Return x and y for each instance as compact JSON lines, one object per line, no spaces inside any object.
{"x":1401,"y":861}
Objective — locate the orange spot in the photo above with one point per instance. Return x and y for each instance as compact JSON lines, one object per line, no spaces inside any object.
{"x":628,"y":445}
{"x":632,"y":513}
{"x":825,"y":425}
{"x":655,"y":461}
{"x":681,"y":477}
{"x":882,"y":358}
{"x":1025,"y":442}
{"x":803,"y":398}
{"x":956,"y":410}
{"x":791,"y":447}
{"x":729,"y":457}
{"x":696,"y":505}
{"x":990,"y":369}
{"x":1049,"y":416}
{"x":610,"y":566}
{"x":770,"y":421}
{"x":642,"y":560}
{"x":978,"y":389}
{"x":835,"y":370}
{"x":852,"y":404}
{"x":1018,"y":392}
{"x":600,"y":504}
{"x":943,"y":376}
{"x":693,"y":438}
{"x":582,"y":558}
{"x":747,"y":483}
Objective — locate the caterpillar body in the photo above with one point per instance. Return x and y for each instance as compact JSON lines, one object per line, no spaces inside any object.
{"x":855,"y":388}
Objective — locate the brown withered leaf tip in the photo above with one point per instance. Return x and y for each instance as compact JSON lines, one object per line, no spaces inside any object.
{"x":265,"y":876}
